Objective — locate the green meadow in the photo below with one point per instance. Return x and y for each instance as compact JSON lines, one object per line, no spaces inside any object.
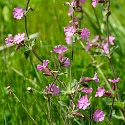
{"x":46,"y":23}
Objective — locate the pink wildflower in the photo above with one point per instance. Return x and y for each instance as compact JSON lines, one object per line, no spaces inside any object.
{"x":85,"y":33}
{"x":9,"y":39}
{"x":19,"y":38}
{"x":95,"y":78}
{"x":94,"y":3}
{"x":60,"y":49}
{"x":18,"y":13}
{"x":88,"y":45}
{"x":83,"y":102}
{"x":114,"y":80}
{"x":98,"y":115}
{"x":111,"y":38}
{"x":51,"y":88}
{"x":69,"y":31}
{"x":87,"y":90}
{"x":100,"y":92}
{"x":41,"y":67}
{"x":95,"y":39}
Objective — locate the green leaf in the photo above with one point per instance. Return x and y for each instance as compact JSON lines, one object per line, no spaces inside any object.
{"x":116,"y":116}
{"x":26,"y":53}
{"x":119,"y":104}
{"x":6,"y":13}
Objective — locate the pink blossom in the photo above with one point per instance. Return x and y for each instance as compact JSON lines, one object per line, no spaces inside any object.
{"x":98,"y":115}
{"x":95,"y":78}
{"x":60,"y":49}
{"x":88,"y":45}
{"x":83,"y":102}
{"x":64,"y":61}
{"x":19,"y":38}
{"x":87,"y":90}
{"x":95,"y":39}
{"x":51,"y":88}
{"x":9,"y":39}
{"x":70,"y":12}
{"x":94,"y":3}
{"x":41,"y":67}
{"x":100,"y":92}
{"x":69,"y":31}
{"x":18,"y":13}
{"x":114,"y":80}
{"x":85,"y":33}
{"x":105,"y":48}
{"x":111,"y":38}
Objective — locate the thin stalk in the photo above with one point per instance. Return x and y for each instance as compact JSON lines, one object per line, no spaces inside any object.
{"x":10,"y":91}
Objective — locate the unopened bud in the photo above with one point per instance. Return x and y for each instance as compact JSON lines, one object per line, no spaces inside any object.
{"x":77,"y":114}
{"x":87,"y":79}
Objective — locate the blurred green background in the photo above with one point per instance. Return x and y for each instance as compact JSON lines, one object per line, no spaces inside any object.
{"x":49,"y":18}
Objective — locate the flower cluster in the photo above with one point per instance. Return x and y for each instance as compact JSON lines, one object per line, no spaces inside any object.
{"x":18,"y":13}
{"x":17,"y":39}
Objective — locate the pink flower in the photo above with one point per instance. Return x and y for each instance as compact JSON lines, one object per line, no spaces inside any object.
{"x":100,"y":92}
{"x":51,"y":88}
{"x":94,"y":3}
{"x":83,"y":102}
{"x":95,"y":39}
{"x":111,"y":38}
{"x":60,"y":49}
{"x":69,"y":31}
{"x":70,"y":12}
{"x":18,"y":13}
{"x":9,"y":39}
{"x":95,"y":78}
{"x":98,"y":115}
{"x":105,"y":48}
{"x":114,"y":80}
{"x":88,"y":45}
{"x":85,"y":33}
{"x":41,"y":67}
{"x":87,"y":90}
{"x":19,"y":38}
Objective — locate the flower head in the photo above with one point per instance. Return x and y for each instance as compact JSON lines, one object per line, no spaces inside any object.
{"x":83,"y":102}
{"x":100,"y":92}
{"x":9,"y":39}
{"x":94,"y":3}
{"x":95,"y":78}
{"x":87,"y":90}
{"x":51,"y":88}
{"x":60,"y":49}
{"x":88,"y":45}
{"x":41,"y":67}
{"x":114,"y":80}
{"x":111,"y":38}
{"x":98,"y":115}
{"x":85,"y":33}
{"x":69,"y":31}
{"x":18,"y":13}
{"x":19,"y":38}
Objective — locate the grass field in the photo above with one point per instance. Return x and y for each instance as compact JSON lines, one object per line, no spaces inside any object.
{"x":49,"y":18}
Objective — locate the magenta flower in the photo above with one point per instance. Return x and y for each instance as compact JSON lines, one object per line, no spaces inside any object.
{"x":18,"y":13}
{"x":64,"y":61}
{"x":95,"y":39}
{"x":87,"y":90}
{"x":51,"y":88}
{"x":111,"y":38}
{"x":94,"y":3}
{"x":85,"y":33}
{"x":69,"y":31}
{"x":88,"y":45}
{"x":105,"y":48}
{"x":98,"y":115}
{"x":9,"y":39}
{"x":19,"y":38}
{"x":41,"y":67}
{"x":114,"y":80}
{"x":100,"y":92}
{"x":60,"y":49}
{"x":70,"y":12}
{"x":95,"y":78}
{"x":83,"y":102}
